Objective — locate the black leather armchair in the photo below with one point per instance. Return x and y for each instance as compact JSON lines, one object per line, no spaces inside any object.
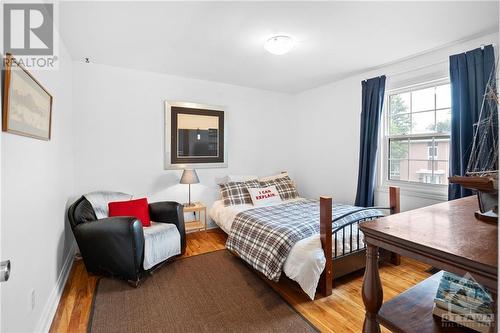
{"x":115,"y":246}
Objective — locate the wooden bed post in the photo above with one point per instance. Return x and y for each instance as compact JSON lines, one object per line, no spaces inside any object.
{"x":395,"y":205}
{"x":325,"y":230}
{"x":394,"y":200}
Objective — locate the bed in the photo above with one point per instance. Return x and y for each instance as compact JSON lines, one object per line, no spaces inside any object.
{"x":286,"y":237}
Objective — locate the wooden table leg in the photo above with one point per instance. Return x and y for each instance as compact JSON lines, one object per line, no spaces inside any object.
{"x":372,"y":290}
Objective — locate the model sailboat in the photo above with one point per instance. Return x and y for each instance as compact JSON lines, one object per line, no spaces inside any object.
{"x":482,"y":168}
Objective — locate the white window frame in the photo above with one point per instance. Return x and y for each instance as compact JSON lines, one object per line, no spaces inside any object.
{"x":428,"y":191}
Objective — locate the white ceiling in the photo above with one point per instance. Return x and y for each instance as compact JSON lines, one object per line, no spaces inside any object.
{"x":223,"y":41}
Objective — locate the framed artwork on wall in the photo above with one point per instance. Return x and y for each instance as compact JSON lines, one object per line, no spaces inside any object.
{"x":27,"y":106}
{"x":195,"y":136}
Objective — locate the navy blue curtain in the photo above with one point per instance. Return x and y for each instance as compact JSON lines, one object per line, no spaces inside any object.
{"x":469,"y":74}
{"x":371,"y":113}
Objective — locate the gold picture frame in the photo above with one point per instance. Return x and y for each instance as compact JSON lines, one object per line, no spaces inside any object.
{"x":27,"y":105}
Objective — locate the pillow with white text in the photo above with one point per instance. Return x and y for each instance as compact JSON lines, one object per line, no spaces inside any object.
{"x":264,"y":196}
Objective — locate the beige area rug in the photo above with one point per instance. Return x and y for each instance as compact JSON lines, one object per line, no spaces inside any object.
{"x":213,"y":292}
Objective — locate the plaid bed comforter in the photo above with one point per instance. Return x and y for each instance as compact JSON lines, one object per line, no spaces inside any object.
{"x":264,"y":236}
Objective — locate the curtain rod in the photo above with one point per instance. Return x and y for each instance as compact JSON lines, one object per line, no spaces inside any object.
{"x":482,"y":46}
{"x":416,"y":68}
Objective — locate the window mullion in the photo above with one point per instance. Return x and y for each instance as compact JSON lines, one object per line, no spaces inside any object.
{"x":408,"y":157}
{"x":434,"y":148}
{"x":411,"y":113}
{"x":420,"y":136}
{"x":435,"y":112}
{"x":432,"y":160}
{"x":408,"y":140}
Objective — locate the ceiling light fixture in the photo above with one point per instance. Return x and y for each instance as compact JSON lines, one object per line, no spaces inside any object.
{"x":279,"y":44}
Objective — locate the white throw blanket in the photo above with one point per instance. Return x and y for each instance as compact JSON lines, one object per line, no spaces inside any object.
{"x":100,"y":199}
{"x":161,"y":240}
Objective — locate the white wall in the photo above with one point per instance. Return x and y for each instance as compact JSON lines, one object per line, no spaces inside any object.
{"x":119,"y":117}
{"x":1,"y":180}
{"x":329,"y":118}
{"x":37,"y":181}
{"x":314,"y":135}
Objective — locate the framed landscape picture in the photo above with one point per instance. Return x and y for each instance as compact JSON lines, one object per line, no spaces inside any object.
{"x":27,"y":106}
{"x":195,"y":136}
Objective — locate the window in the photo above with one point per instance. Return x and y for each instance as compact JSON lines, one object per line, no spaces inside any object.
{"x":417,"y":134}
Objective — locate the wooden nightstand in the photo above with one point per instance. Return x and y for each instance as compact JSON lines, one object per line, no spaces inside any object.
{"x":199,"y":223}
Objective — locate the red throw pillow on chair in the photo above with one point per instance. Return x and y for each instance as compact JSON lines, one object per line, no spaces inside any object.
{"x":138,"y":208}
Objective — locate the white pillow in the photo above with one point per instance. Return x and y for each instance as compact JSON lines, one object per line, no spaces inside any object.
{"x":264,"y":196}
{"x":278,"y":176}
{"x":240,"y":178}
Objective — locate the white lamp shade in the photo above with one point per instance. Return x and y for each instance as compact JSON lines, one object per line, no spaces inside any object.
{"x":189,"y":176}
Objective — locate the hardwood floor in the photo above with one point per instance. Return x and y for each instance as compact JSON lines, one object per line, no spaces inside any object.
{"x":343,"y":311}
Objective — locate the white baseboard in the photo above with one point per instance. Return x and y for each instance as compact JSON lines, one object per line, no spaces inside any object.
{"x":50,"y":308}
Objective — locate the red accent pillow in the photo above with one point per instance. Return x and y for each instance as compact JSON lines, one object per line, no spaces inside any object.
{"x":138,"y":208}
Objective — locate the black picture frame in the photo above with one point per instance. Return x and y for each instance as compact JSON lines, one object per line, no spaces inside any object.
{"x":175,"y":111}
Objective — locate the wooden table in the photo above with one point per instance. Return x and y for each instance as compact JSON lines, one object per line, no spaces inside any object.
{"x":199,"y":223}
{"x":446,"y":236}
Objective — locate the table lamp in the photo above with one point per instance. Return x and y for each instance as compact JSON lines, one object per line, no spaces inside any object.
{"x":189,"y":177}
